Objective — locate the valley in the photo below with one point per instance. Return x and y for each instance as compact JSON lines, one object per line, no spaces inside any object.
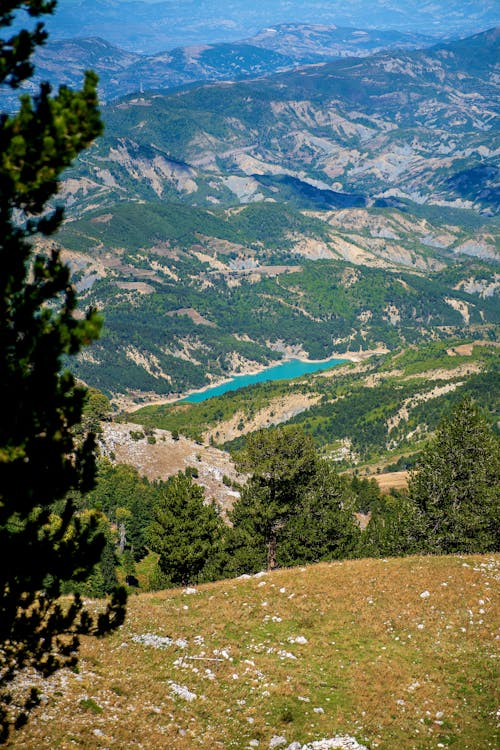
{"x":369,"y":415}
{"x":314,"y":213}
{"x":318,"y":213}
{"x":249,"y":359}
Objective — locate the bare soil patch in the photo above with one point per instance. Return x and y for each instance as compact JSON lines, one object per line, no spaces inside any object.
{"x":394,"y":480}
{"x":167,"y":456}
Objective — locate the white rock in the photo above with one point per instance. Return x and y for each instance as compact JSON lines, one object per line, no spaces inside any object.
{"x":334,"y":743}
{"x":298,"y":639}
{"x":182,"y":691}
{"x":276,"y":741}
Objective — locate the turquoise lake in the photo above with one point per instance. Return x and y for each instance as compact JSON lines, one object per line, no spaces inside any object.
{"x":292,"y":368}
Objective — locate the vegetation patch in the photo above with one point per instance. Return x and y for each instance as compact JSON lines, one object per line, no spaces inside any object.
{"x":394,"y":653}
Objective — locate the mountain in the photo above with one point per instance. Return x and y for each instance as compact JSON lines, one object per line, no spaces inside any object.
{"x":149,"y":27}
{"x":338,"y":207}
{"x":309,"y":43}
{"x":393,"y":126}
{"x":192,"y":296}
{"x":277,"y":49}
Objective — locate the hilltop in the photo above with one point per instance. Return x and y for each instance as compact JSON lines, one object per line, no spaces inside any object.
{"x":397,"y":653}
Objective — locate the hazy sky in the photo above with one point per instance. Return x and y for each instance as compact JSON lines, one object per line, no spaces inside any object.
{"x":148,"y":26}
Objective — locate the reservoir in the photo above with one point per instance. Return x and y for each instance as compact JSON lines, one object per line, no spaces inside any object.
{"x":292,"y":368}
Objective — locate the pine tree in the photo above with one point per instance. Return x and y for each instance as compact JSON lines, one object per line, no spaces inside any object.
{"x":43,"y":542}
{"x":396,"y":528}
{"x":184,"y":531}
{"x":294,"y":509}
{"x":323,"y":526}
{"x":283,"y":462}
{"x":456,"y":484}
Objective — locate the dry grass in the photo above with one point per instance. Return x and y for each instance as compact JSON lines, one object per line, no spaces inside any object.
{"x":397,"y":480}
{"x":399,"y":653}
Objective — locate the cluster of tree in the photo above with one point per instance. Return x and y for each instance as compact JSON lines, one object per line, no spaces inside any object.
{"x":296,"y":509}
{"x":453,"y":499}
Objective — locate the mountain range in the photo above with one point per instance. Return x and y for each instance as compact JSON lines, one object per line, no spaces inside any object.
{"x":418,"y":125}
{"x":335,"y":207}
{"x":149,"y":27}
{"x":275,"y":49}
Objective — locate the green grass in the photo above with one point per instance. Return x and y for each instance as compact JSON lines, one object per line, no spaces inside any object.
{"x":387,"y":666}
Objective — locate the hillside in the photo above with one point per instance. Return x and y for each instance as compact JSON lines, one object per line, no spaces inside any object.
{"x":178,"y":320}
{"x":378,"y":411}
{"x":389,"y":127}
{"x":213,"y":468}
{"x":340,"y":207}
{"x":397,"y":653}
{"x":123,"y":72}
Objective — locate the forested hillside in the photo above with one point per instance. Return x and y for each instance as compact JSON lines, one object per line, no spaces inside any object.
{"x":379,"y":410}
{"x":316,"y":212}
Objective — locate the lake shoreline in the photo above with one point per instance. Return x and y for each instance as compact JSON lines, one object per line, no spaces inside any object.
{"x":343,"y":358}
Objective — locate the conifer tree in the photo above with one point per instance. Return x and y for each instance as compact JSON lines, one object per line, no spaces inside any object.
{"x":456,"y":485}
{"x":323,"y":526}
{"x":396,"y":528}
{"x":283,"y":462}
{"x":43,"y":543}
{"x":294,"y":509}
{"x":184,"y":531}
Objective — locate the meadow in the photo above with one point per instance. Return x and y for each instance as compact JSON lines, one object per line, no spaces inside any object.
{"x":395,"y":653}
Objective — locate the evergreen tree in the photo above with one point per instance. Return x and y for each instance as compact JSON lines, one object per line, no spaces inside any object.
{"x":456,"y":484}
{"x":127,"y":499}
{"x":40,"y":459}
{"x":367,"y":493}
{"x":395,"y":528}
{"x":184,"y":531}
{"x":282,"y":461}
{"x":245,"y":546}
{"x":323,"y":527}
{"x":96,"y":409}
{"x":294,"y":509}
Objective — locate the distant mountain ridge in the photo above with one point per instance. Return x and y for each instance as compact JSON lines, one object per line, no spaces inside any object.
{"x":414,"y":125}
{"x":273,"y":50}
{"x":149,"y":27}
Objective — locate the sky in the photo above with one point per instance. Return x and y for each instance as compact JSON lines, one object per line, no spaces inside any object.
{"x":151,"y":26}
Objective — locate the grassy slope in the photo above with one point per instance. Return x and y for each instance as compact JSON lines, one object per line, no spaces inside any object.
{"x":388,"y":666}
